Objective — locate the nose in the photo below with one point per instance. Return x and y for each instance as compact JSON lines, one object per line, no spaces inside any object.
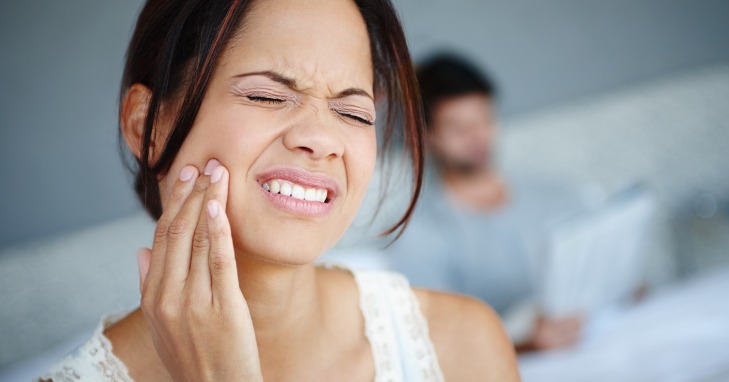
{"x":315,"y":134}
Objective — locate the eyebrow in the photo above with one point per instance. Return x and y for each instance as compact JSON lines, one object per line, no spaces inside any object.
{"x":291,"y":83}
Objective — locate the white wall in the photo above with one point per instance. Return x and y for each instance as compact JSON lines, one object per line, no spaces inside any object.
{"x":62,"y":61}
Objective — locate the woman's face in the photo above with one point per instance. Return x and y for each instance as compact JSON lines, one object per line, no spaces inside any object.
{"x":289,"y":110}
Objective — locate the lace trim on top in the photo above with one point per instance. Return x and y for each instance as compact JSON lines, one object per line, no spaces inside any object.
{"x":93,"y":360}
{"x":395,"y":327}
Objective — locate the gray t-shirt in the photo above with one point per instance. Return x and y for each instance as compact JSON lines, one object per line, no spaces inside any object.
{"x":490,"y":255}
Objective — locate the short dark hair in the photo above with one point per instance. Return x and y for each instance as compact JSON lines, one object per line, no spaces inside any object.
{"x":445,"y":75}
{"x":175,"y":47}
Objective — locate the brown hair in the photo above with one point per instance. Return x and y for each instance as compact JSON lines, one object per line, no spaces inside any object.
{"x":175,"y":47}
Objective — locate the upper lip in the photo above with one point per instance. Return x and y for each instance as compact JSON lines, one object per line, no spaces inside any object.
{"x":301,"y":177}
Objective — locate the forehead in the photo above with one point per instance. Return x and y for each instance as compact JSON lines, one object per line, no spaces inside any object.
{"x":466,"y":110}
{"x":473,"y":103}
{"x":318,"y":43}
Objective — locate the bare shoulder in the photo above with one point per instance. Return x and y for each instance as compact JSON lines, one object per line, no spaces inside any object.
{"x":468,"y":337}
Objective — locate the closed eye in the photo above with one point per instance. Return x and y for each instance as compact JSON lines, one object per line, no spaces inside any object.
{"x":357,"y":118}
{"x":268,"y":100}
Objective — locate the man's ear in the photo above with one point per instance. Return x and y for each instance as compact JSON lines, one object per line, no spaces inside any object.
{"x":133,"y":116}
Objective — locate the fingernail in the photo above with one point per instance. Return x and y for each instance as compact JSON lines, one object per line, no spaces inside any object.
{"x":187,"y":173}
{"x":212,"y":209}
{"x":212,"y":164}
{"x":217,"y":174}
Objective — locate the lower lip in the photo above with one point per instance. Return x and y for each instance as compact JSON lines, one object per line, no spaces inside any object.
{"x":298,"y":206}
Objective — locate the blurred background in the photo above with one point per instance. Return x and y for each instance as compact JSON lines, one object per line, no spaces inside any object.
{"x":599,"y":94}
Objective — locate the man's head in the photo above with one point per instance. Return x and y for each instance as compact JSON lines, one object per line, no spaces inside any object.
{"x":459,"y":112}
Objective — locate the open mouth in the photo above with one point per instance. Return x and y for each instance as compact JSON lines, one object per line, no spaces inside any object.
{"x":296,"y":191}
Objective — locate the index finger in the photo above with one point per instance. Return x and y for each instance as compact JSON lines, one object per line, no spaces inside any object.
{"x":180,"y":191}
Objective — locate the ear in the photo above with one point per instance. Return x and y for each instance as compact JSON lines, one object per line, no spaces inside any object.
{"x":133,"y":116}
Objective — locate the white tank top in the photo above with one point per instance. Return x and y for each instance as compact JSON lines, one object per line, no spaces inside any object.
{"x":394,"y":325}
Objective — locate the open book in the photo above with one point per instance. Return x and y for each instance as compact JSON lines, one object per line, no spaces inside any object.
{"x":595,"y":260}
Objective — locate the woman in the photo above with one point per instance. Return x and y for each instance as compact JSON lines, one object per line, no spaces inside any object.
{"x":253,"y":128}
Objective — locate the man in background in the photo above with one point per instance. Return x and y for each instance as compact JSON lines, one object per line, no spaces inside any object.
{"x":477,"y":229}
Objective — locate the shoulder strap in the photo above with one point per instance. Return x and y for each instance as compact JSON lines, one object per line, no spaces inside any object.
{"x":396,"y":328}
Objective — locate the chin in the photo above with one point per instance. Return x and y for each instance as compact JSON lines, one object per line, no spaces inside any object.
{"x":283,"y":240}
{"x":276,"y":251}
{"x":283,"y":229}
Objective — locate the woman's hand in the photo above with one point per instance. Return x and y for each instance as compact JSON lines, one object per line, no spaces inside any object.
{"x":191,"y":299}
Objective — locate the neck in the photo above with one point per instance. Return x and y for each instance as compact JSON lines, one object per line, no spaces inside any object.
{"x":284,"y":302}
{"x":278,"y":295}
{"x":482,"y":188}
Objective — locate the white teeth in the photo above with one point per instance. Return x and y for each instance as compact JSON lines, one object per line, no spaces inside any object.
{"x":311,"y":194}
{"x":317,"y":195}
{"x":286,"y":189}
{"x":277,"y":186}
{"x":297,"y":192}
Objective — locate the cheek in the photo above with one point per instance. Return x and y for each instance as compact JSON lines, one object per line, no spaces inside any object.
{"x":229,"y":137}
{"x":455,"y":142}
{"x":490,"y":133}
{"x":238,"y":142}
{"x":360,"y":158}
{"x":235,"y":138}
{"x":362,"y":155}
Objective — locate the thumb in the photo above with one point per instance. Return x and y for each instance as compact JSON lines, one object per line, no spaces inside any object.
{"x":143,"y":256}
